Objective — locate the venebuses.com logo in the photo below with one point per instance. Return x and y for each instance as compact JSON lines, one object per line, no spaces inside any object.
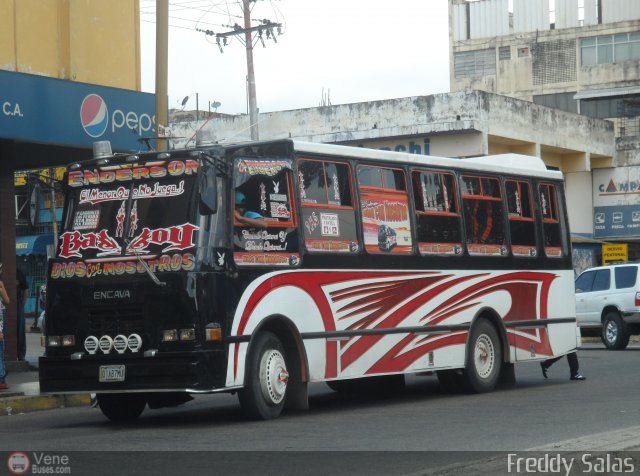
{"x":19,"y":462}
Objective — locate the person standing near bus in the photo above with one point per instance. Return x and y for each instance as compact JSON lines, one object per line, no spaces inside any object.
{"x":4,"y":302}
{"x":574,"y":367}
{"x":23,"y":292}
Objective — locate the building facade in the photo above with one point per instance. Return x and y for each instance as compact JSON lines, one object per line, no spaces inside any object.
{"x":580,"y":56}
{"x":66,"y":68}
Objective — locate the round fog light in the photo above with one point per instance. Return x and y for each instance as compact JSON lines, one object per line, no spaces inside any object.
{"x":120,"y":343}
{"x":106,"y":344}
{"x":91,"y":344}
{"x":134,"y":342}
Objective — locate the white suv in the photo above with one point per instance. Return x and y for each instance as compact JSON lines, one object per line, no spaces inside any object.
{"x":608,"y":302}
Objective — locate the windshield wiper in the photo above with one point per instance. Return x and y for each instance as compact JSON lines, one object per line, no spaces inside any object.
{"x":146,"y":267}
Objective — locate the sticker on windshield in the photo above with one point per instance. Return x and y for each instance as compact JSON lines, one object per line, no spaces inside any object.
{"x":153,"y":190}
{"x":86,"y":219}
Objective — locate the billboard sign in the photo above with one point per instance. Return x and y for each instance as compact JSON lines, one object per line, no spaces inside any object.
{"x":54,"y":111}
{"x":616,"y":202}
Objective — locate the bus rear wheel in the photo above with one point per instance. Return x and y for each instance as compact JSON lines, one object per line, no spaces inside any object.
{"x":121,"y":407}
{"x":266,"y":378}
{"x":484,"y":357}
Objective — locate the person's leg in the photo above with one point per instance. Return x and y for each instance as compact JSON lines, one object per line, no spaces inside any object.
{"x":3,"y":373}
{"x":574,"y":366}
{"x":22,"y":338}
{"x":545,"y":364}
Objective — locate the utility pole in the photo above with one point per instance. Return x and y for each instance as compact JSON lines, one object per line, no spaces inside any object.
{"x":264,"y":29}
{"x":162,"y":66}
{"x":251,"y":78}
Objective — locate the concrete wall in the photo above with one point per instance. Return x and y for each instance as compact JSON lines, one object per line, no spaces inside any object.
{"x":93,"y":41}
{"x":579,"y":202}
{"x":557,"y":68}
{"x":456,"y":124}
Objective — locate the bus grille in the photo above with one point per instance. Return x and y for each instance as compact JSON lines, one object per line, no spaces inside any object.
{"x":123,"y":320}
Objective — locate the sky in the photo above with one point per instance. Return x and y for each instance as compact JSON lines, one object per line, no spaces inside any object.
{"x":342,"y":51}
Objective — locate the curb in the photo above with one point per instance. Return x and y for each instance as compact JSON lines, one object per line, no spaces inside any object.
{"x":12,"y":405}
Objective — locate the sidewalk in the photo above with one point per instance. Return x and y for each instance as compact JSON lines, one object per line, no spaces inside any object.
{"x":23,"y":394}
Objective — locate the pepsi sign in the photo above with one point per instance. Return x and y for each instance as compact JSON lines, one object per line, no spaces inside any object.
{"x":53,"y":111}
{"x":94,"y":115}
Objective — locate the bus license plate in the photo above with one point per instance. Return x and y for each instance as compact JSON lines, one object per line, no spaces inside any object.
{"x":111,"y":373}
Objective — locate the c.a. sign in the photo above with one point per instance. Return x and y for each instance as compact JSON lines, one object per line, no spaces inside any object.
{"x":615,"y":253}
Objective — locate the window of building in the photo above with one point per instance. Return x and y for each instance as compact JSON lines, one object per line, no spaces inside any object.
{"x":504,"y":53}
{"x":562,"y":101}
{"x":607,"y":49}
{"x":468,"y":64}
{"x":437,"y":213}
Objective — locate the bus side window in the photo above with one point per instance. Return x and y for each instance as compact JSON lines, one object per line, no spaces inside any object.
{"x":483,"y":216}
{"x":437,"y":213}
{"x":521,"y":218}
{"x":551,"y":221}
{"x":329,"y":218}
{"x":384,"y":205}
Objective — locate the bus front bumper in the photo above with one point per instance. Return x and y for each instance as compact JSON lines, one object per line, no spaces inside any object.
{"x":198,"y":371}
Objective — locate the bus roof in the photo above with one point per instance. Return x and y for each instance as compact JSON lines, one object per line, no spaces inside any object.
{"x":510,"y":164}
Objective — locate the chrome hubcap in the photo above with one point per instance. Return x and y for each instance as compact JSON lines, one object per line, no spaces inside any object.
{"x":273,"y":376}
{"x":611,"y":331}
{"x":484,"y":356}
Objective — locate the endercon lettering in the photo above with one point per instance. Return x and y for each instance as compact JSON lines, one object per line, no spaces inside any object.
{"x":125,"y":173}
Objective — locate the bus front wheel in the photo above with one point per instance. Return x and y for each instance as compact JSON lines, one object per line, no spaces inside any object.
{"x":266,"y":378}
{"x":484,"y":357}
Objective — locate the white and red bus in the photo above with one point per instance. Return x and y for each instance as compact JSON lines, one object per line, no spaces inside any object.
{"x":262,"y":267}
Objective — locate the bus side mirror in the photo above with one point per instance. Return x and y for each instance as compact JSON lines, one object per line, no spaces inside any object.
{"x":208,"y":190}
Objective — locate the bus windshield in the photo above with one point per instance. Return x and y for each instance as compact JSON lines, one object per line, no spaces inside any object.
{"x":128,"y":210}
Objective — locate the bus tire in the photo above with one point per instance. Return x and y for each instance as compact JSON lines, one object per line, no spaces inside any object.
{"x":614,"y":335}
{"x":266,"y":378}
{"x":121,"y":407}
{"x":484,"y":358}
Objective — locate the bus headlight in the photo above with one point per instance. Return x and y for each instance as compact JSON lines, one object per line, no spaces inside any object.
{"x":68,"y":341}
{"x":53,"y":341}
{"x":169,"y":335}
{"x":187,"y":334}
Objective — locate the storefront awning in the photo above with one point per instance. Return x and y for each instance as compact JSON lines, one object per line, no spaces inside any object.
{"x":33,"y":244}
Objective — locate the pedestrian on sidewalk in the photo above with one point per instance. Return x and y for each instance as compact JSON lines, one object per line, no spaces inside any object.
{"x":22,"y":292}
{"x":4,"y":301}
{"x":574,"y":366}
